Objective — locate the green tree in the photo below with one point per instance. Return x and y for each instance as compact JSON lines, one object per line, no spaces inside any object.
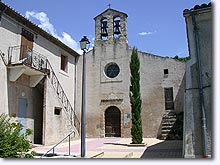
{"x":135,"y":99}
{"x":183,"y":59}
{"x":12,"y":143}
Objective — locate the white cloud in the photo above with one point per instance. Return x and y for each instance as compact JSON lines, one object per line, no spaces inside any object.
{"x":146,"y":33}
{"x":45,"y":24}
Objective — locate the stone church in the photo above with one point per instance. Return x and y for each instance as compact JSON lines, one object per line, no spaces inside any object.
{"x":108,"y":112}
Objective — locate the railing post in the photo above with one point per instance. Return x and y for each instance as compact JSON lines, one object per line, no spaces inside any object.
{"x":69,"y":145}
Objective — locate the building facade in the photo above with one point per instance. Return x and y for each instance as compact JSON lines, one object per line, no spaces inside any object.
{"x":198,"y":95}
{"x":37,"y":79}
{"x":108,"y":112}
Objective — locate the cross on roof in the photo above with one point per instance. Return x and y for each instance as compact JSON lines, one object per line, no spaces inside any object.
{"x":109,"y":5}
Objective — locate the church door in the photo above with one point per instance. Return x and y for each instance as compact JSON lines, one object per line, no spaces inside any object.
{"x":112,"y":122}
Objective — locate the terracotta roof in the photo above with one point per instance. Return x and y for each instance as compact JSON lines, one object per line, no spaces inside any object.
{"x":198,"y":7}
{"x":4,"y":9}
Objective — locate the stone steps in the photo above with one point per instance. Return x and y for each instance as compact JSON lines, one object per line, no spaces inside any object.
{"x":168,"y":121}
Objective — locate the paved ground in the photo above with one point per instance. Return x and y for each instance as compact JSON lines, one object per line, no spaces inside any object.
{"x":118,"y":148}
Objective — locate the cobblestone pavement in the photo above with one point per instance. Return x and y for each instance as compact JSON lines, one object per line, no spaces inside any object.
{"x":119,"y":148}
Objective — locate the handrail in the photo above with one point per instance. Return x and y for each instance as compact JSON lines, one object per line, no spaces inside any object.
{"x":63,"y":98}
{"x":23,"y":55}
{"x":3,"y":57}
{"x":37,"y":61}
{"x":59,"y":143}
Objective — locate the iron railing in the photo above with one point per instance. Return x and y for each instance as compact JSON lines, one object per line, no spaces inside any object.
{"x":23,"y":55}
{"x":3,"y":57}
{"x":63,"y":98}
{"x":53,"y":148}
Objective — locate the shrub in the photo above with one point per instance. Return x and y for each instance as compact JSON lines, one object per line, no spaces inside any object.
{"x":13,"y":144}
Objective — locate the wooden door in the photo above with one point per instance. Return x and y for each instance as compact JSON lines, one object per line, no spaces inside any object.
{"x":27,"y":39}
{"x":112,"y":122}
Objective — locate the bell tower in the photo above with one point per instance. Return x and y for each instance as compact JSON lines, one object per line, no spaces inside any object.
{"x":111,"y":27}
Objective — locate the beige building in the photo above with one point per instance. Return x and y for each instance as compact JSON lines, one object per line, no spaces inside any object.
{"x":37,"y":74}
{"x":198,"y":96}
{"x":108,"y":112}
{"x":41,"y":81}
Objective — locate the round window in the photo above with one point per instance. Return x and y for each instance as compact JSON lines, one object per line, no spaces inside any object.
{"x":112,"y":70}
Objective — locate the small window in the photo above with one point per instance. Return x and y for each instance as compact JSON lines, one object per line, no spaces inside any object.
{"x":165,"y":71}
{"x":64,"y":62}
{"x":57,"y":110}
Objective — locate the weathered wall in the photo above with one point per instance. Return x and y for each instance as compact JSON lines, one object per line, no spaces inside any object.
{"x":153,"y":83}
{"x":56,"y":127}
{"x":10,"y":32}
{"x":8,"y":38}
{"x":103,"y":92}
{"x":21,"y":89}
{"x":193,"y":136}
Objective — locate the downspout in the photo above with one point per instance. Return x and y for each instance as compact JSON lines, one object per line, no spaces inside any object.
{"x":196,"y":37}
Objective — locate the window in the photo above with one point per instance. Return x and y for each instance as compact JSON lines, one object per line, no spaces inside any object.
{"x":112,"y":70}
{"x":57,"y":110}
{"x":165,"y":72}
{"x":64,"y":62}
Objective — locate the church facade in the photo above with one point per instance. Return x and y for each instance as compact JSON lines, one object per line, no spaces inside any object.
{"x":108,"y":112}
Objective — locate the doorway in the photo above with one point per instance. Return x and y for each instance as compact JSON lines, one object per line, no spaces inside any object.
{"x":168,"y":92}
{"x":22,"y":113}
{"x":112,"y":122}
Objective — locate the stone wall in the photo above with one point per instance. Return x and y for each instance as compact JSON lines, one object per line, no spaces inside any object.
{"x":193,"y":133}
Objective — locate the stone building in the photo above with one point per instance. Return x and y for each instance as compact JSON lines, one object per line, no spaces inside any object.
{"x":108,"y":112}
{"x":198,"y":95}
{"x":37,"y":73}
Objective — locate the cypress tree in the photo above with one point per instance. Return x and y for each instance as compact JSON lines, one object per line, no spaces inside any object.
{"x":135,"y":99}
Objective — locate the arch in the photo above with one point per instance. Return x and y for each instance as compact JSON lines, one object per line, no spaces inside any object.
{"x":104,"y":28}
{"x":112,"y":122}
{"x":117,"y":26}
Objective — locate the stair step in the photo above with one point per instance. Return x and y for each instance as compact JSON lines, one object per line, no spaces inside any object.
{"x":167,"y":127}
{"x":168,"y":123}
{"x":166,"y":131}
{"x":169,"y":116}
{"x":170,"y":119}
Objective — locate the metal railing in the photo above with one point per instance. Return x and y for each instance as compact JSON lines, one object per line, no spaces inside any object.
{"x":23,"y":55}
{"x":53,"y":148}
{"x":3,"y":57}
{"x":63,"y":98}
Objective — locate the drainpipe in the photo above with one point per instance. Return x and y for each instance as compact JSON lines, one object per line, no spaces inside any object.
{"x":196,"y":37}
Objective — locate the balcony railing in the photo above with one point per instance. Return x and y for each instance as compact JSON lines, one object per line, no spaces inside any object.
{"x":23,"y":55}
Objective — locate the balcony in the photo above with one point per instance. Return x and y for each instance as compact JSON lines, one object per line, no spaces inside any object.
{"x":22,"y":60}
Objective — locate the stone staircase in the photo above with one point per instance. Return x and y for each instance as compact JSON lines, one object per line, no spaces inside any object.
{"x":168,"y":121}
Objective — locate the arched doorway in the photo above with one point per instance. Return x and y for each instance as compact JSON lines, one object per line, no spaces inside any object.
{"x":112,"y":122}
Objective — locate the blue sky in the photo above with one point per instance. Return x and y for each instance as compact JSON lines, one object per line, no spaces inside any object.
{"x":155,"y":26}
